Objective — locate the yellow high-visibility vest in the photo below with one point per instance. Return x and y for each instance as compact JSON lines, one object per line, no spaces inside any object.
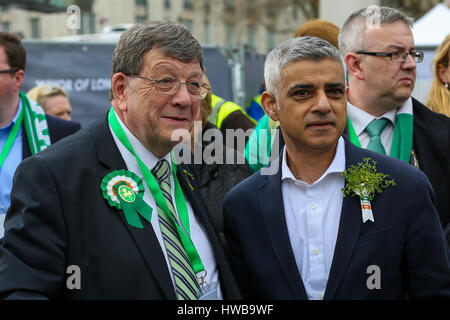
{"x":222,"y":108}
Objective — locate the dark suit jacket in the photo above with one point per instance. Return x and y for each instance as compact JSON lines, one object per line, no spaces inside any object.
{"x":58,"y":218}
{"x":431,"y":144}
{"x":431,"y":139}
{"x":406,"y":240}
{"x":57,"y":128}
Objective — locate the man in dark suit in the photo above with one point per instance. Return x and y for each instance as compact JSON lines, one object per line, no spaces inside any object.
{"x":109,"y":214}
{"x":381,"y":58}
{"x":292,"y":234}
{"x":24,"y":128}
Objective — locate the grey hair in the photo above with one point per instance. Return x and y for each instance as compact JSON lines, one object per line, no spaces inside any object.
{"x":173,"y":39}
{"x":296,"y":49}
{"x":351,"y":35}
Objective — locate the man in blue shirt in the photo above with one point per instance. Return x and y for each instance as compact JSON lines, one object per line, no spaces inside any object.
{"x":24,"y":128}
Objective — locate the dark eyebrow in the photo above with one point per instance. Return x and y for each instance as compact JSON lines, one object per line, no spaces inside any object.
{"x":297,"y":86}
{"x":301,"y":86}
{"x":340,"y":85}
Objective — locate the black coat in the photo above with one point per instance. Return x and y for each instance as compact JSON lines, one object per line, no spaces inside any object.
{"x":431,"y":142}
{"x":59,"y":218}
{"x":216,"y":180}
{"x":405,"y":240}
{"x":57,"y":128}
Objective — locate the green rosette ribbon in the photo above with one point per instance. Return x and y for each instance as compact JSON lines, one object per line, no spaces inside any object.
{"x":124,"y":190}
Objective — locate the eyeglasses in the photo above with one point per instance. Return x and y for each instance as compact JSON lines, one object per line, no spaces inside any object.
{"x":12,"y":70}
{"x":397,"y":56}
{"x":169,"y":86}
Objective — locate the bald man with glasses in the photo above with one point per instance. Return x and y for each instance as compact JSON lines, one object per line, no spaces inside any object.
{"x":381,"y":59}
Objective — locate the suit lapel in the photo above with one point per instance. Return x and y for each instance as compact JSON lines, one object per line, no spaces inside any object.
{"x":25,"y":147}
{"x":349,"y":229}
{"x":145,"y":239}
{"x":275,"y":222}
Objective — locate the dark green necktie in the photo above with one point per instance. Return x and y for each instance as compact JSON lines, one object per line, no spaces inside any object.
{"x":374,"y":130}
{"x":186,"y":282}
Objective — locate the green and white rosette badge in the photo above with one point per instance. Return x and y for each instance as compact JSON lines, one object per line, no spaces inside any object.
{"x":124,"y":190}
{"x":364,"y":181}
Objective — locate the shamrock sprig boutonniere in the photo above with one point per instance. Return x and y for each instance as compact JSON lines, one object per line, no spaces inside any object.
{"x":365,"y":181}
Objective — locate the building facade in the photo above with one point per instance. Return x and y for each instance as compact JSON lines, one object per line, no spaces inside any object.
{"x":259,"y":24}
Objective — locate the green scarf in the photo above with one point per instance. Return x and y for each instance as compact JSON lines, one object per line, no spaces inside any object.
{"x":258,"y":150}
{"x":35,"y":123}
{"x":403,"y":135}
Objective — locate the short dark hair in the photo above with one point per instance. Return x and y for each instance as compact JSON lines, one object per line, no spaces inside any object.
{"x":15,"y":52}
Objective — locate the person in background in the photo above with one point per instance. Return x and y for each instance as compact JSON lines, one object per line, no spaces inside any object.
{"x":320,"y":28}
{"x":24,"y":128}
{"x":381,"y":62}
{"x":439,"y":96}
{"x":217,"y":178}
{"x":227,"y":115}
{"x":53,"y":99}
{"x":256,"y":157}
{"x":254,"y":108}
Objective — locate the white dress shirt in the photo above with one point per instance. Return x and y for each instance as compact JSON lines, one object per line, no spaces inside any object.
{"x":198,"y":234}
{"x":312,"y":217}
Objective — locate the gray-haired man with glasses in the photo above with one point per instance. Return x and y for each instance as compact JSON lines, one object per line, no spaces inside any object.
{"x":110,"y":214}
{"x":381,"y":58}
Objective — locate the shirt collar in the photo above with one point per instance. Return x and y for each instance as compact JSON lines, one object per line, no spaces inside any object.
{"x":336,"y":166}
{"x":14,"y":120}
{"x":147,"y":157}
{"x":407,"y":107}
{"x":361,"y":119}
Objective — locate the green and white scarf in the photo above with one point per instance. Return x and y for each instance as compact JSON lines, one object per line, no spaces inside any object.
{"x":35,"y":123}
{"x":402,"y":141}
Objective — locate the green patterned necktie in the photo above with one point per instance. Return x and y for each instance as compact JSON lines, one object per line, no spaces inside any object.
{"x":186,"y":282}
{"x":374,"y":130}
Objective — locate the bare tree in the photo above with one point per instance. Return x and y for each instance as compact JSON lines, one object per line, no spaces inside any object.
{"x":267,"y":12}
{"x":413,"y":8}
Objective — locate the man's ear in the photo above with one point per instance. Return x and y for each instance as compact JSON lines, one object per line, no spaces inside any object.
{"x":270,"y":105}
{"x":18,"y":76}
{"x":353,"y":63}
{"x":119,"y":86}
